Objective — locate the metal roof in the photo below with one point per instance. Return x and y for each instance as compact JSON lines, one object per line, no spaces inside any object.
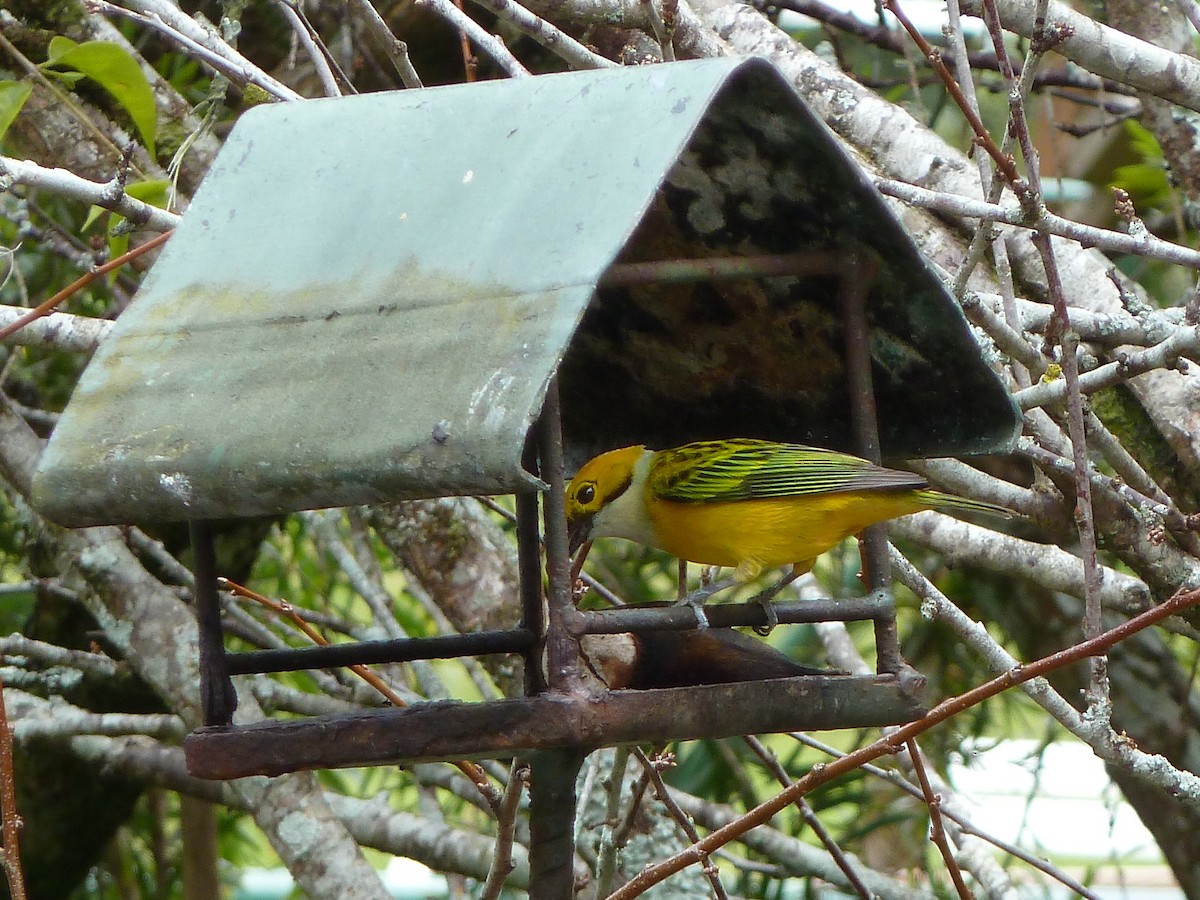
{"x":369,"y":295}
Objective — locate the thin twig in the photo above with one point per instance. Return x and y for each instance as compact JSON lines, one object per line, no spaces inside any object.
{"x":396,"y":50}
{"x":1112,"y":241}
{"x":606,"y":864}
{"x":320,"y":63}
{"x":506,"y":826}
{"x":1184,"y":342}
{"x":882,"y":37}
{"x":624,"y":828}
{"x":1099,"y":700}
{"x":1105,"y":51}
{"x":936,"y":828}
{"x":810,"y":818}
{"x":1004,"y":163}
{"x":110,"y":195}
{"x":10,"y":819}
{"x":895,"y":778}
{"x":549,"y":36}
{"x":651,"y":768}
{"x":470,"y":61}
{"x":661,"y":33}
{"x":200,"y":43}
{"x":489,"y":43}
{"x":471,"y":770}
{"x":83,"y":281}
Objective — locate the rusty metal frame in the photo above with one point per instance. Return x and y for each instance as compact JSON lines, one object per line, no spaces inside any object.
{"x":552,"y":633}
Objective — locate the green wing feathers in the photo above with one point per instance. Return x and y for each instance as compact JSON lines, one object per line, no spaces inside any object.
{"x":950,"y":503}
{"x":716,"y":471}
{"x":709,"y":471}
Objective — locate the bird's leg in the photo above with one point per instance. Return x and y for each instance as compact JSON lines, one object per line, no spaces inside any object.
{"x":697,"y":597}
{"x":766,"y":599}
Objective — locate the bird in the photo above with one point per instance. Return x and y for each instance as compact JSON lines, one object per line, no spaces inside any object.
{"x":743,"y":503}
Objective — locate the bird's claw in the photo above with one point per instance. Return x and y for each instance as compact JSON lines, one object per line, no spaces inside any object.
{"x":765,"y":601}
{"x":696,"y":600}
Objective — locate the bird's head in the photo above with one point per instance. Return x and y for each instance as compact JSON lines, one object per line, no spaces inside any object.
{"x":591,"y":495}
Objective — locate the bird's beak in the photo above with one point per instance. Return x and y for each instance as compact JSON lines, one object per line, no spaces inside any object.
{"x":577,"y":533}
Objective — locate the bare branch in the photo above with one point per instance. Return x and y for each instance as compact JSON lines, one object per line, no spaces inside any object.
{"x":306,"y":39}
{"x":198,"y":40}
{"x":1050,"y":566}
{"x":549,"y":36}
{"x":491,"y":44}
{"x":62,"y":331}
{"x":1106,"y":51}
{"x":110,"y":195}
{"x":61,"y":720}
{"x":1087,"y":235}
{"x":1184,"y":342}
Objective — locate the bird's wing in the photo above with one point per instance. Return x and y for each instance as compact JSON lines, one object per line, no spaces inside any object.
{"x":709,"y":471}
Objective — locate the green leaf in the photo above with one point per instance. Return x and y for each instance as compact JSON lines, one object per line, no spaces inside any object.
{"x":13,"y":95}
{"x":153,"y":192}
{"x":1145,"y":182}
{"x":118,"y":245}
{"x":58,"y":46}
{"x":1142,"y":140}
{"x":117,"y":72}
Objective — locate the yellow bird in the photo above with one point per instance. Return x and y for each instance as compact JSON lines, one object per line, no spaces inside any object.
{"x":744,"y":503}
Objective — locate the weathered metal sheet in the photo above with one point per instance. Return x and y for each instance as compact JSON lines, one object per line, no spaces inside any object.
{"x":368,"y":296}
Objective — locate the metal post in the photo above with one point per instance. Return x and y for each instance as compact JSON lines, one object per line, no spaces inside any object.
{"x":552,"y":808}
{"x":218,"y":699}
{"x":564,"y":627}
{"x":857,"y":278}
{"x":552,"y":774}
{"x":529,"y":571}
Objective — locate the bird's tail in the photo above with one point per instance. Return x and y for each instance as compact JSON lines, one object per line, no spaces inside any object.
{"x":950,"y":503}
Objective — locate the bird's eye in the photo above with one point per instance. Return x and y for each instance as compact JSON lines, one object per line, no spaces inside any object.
{"x":586,"y":494}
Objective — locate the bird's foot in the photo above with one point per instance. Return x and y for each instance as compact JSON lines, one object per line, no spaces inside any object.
{"x":766,"y":599}
{"x":696,"y":599}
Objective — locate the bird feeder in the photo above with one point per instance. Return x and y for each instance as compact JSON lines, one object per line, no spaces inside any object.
{"x":447,"y":292}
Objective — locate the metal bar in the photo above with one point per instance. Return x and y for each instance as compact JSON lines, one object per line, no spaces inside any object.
{"x":218,"y":699}
{"x":450,"y":730}
{"x":649,"y":617}
{"x":564,"y":662}
{"x":728,"y":615}
{"x":552,"y":805}
{"x":529,"y":571}
{"x":858,"y":276}
{"x":674,"y":271}
{"x":362,"y":653}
